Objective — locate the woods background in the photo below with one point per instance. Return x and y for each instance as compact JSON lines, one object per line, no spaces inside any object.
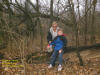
{"x":24,"y":24}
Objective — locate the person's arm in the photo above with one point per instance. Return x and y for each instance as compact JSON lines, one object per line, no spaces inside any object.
{"x":64,"y":40}
{"x":49,"y":37}
{"x":50,"y":44}
{"x":65,"y":43}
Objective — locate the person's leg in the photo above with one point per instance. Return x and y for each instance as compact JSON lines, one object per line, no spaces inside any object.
{"x":60,"y":57}
{"x":53,"y":57}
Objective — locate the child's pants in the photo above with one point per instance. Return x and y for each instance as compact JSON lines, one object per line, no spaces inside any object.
{"x":54,"y":56}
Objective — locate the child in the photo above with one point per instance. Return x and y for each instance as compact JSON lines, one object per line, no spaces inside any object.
{"x":59,"y":42}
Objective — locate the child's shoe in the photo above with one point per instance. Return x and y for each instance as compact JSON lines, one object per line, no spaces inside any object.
{"x":59,"y":68}
{"x":50,"y":66}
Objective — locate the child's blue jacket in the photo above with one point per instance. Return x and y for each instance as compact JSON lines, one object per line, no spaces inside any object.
{"x":59,"y":42}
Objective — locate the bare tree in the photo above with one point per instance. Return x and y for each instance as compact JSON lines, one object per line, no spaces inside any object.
{"x":51,"y":10}
{"x":85,"y":28}
{"x":40,"y":25}
{"x":71,"y":4}
{"x":93,"y":22}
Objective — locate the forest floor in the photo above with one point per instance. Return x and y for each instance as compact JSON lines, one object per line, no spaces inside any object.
{"x":71,"y":65}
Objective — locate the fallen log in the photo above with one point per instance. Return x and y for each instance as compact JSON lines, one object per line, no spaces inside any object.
{"x":82,"y":48}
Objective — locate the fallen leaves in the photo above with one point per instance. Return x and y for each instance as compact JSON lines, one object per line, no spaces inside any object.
{"x":70,"y":67}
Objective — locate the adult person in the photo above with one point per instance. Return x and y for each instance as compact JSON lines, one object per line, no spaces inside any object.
{"x":52,"y":33}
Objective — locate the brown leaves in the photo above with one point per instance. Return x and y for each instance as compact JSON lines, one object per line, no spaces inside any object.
{"x":70,"y":67}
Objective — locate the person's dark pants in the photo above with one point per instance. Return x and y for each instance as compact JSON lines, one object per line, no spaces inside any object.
{"x":54,"y":56}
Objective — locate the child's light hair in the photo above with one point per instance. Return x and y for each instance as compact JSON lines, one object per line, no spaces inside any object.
{"x":60,"y":29}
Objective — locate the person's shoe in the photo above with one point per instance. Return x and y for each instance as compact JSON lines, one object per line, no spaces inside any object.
{"x":59,"y":68}
{"x":50,"y":66}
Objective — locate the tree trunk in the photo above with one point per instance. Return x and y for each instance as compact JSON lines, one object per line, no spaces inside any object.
{"x":40,"y":25}
{"x":51,"y":12}
{"x":85,"y":28}
{"x":93,"y":22}
{"x":76,"y":31}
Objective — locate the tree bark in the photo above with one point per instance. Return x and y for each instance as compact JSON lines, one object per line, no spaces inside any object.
{"x":85,"y":28}
{"x":51,"y":11}
{"x":40,"y":25}
{"x":93,"y":22}
{"x":76,"y":30}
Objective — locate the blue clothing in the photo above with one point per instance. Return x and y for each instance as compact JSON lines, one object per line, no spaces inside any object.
{"x":58,"y":43}
{"x":54,"y":56}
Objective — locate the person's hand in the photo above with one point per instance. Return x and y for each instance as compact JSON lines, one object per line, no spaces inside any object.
{"x":49,"y":42}
{"x":60,"y":51}
{"x":48,"y":46}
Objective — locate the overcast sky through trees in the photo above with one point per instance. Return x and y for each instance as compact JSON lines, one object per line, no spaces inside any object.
{"x":46,"y":5}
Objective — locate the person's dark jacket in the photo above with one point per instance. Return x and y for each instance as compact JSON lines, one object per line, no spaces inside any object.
{"x":49,"y":36}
